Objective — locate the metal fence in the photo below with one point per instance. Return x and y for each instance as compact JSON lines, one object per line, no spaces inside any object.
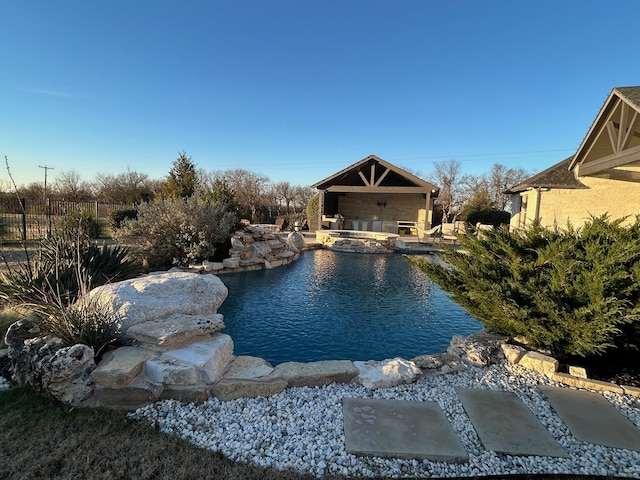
{"x":33,"y":219}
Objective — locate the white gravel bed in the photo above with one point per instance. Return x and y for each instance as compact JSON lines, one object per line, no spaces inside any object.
{"x":301,"y":429}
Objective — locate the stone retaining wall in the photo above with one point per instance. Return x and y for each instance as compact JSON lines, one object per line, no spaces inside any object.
{"x":356,"y":241}
{"x":255,"y":248}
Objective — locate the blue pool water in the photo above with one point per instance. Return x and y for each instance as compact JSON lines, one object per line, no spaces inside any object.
{"x":340,"y":306}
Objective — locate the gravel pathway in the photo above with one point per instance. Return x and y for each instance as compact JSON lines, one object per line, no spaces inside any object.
{"x":301,"y":429}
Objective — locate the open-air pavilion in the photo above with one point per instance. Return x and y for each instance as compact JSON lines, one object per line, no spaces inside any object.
{"x":374,"y":195}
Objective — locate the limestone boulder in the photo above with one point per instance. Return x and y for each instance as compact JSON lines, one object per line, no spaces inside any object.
{"x":49,"y":367}
{"x":480,"y":349}
{"x":20,"y":331}
{"x":232,"y":388}
{"x":120,"y":367}
{"x":248,"y":367}
{"x":174,"y":330}
{"x":210,"y":358}
{"x":439,"y":364}
{"x":315,"y":374}
{"x":295,"y":240}
{"x":387,"y":373}
{"x":27,"y":359}
{"x":160,"y":295}
{"x":540,"y":362}
{"x":66,"y":376}
{"x":231,"y":263}
{"x":513,"y":353}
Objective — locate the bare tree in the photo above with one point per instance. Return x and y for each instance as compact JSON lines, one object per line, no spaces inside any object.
{"x":69,"y":186}
{"x":286,"y":193}
{"x":500,"y":179}
{"x":128,"y":187}
{"x":249,"y":189}
{"x":301,"y":198}
{"x":448,"y":176}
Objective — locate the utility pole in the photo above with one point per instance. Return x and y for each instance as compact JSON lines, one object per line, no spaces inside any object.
{"x":46,"y":200}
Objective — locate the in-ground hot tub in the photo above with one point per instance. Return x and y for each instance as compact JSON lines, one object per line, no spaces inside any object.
{"x":357,"y":241}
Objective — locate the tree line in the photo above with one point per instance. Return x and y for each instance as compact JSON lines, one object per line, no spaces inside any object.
{"x":254,"y":195}
{"x":261,"y":200}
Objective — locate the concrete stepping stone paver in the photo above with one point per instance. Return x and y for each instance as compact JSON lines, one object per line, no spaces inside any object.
{"x":400,"y":429}
{"x":592,"y":418}
{"x":505,"y":424}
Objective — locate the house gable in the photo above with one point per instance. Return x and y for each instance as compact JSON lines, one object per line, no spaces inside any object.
{"x":611,"y":147}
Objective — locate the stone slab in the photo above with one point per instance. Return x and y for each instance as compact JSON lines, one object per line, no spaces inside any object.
{"x":134,"y":395}
{"x":175,"y":330}
{"x":505,"y":425}
{"x":119,"y":367}
{"x":592,"y":418}
{"x":400,"y":429}
{"x":171,"y":373}
{"x":586,"y":383}
{"x":232,"y":388}
{"x":211,"y":356}
{"x":315,"y":374}
{"x":248,"y":367}
{"x":543,"y":364}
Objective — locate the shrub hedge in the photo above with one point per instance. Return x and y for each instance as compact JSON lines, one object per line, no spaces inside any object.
{"x":574,"y":292}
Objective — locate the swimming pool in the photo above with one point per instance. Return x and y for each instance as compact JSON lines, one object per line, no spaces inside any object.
{"x":340,"y":306}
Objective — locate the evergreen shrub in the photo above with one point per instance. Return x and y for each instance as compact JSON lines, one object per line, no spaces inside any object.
{"x":119,"y":216}
{"x":78,"y":224}
{"x":489,"y":217}
{"x":313,"y":208}
{"x":574,"y":292}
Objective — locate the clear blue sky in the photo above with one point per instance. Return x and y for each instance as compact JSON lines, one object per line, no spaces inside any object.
{"x":297,"y":90}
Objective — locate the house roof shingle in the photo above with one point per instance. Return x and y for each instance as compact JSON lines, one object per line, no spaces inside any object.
{"x":556,"y":176}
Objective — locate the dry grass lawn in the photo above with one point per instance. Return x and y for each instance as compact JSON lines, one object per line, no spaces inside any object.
{"x":43,"y":439}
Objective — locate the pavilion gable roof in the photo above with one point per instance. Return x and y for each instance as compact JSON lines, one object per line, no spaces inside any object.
{"x":373,"y":172}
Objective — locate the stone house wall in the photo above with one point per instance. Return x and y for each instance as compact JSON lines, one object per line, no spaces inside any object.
{"x":558,"y":206}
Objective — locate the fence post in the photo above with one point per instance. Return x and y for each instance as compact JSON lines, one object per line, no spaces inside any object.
{"x":23,"y":204}
{"x":48,"y":206}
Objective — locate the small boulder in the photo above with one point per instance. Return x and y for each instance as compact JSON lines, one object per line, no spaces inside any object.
{"x":539,"y":362}
{"x":296,"y":240}
{"x":66,"y":376}
{"x":232,"y":388}
{"x":387,"y":373}
{"x":247,"y":367}
{"x":439,"y":364}
{"x":480,"y":349}
{"x":513,"y":353}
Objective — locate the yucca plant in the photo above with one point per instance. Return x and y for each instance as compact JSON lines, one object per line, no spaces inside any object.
{"x":53,"y":275}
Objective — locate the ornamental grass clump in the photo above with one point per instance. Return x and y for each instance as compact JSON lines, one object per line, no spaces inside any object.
{"x":87,"y":322}
{"x":574,"y":292}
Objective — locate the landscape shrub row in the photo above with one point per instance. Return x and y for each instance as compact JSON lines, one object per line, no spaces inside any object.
{"x":572,"y":292}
